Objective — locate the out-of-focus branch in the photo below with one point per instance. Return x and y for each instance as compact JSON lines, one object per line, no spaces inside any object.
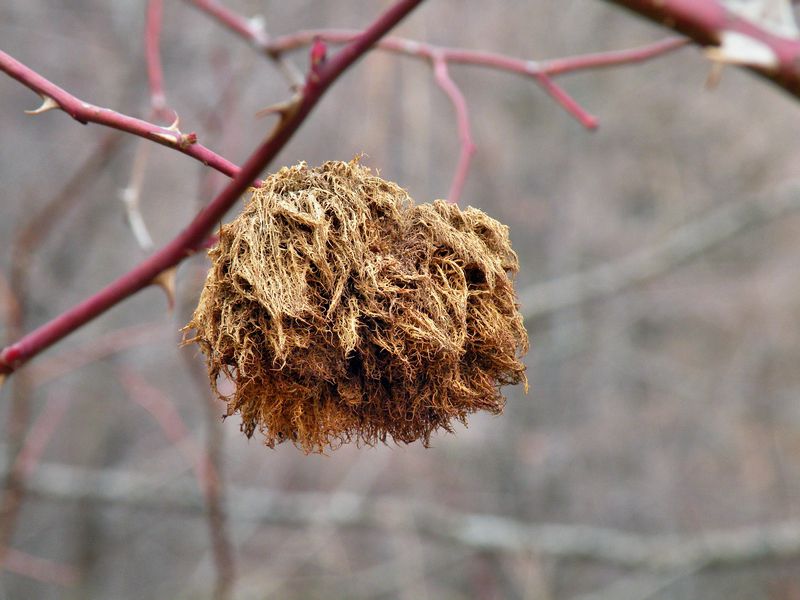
{"x":15,"y":480}
{"x":155,"y":71}
{"x":40,"y":569}
{"x":684,"y":244}
{"x":481,"y":58}
{"x":710,"y":23}
{"x":464,"y":130}
{"x":254,"y":30}
{"x":482,"y":532}
{"x":54,"y":97}
{"x":541,"y":71}
{"x":131,"y":194}
{"x":24,"y":247}
{"x":192,"y":237}
{"x":439,"y":57}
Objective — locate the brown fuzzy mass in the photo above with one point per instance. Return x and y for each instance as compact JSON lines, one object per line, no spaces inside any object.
{"x":341,"y":311}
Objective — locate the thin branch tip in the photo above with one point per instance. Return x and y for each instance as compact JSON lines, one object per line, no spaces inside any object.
{"x":48,"y":104}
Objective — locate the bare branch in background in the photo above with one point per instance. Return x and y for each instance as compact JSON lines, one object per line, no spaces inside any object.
{"x":678,"y":247}
{"x":663,"y":553}
{"x":731,"y":36}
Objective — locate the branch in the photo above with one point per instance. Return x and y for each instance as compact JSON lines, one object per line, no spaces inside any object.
{"x":155,"y":72}
{"x":709,"y":23}
{"x":483,"y":532}
{"x":191,"y":238}
{"x":480,"y":58}
{"x":439,"y":57}
{"x":252,"y":30}
{"x":464,"y":131}
{"x":680,"y":246}
{"x":53,"y":97}
{"x":541,"y":72}
{"x":39,"y":569}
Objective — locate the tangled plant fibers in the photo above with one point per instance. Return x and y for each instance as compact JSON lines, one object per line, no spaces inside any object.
{"x":340,"y":311}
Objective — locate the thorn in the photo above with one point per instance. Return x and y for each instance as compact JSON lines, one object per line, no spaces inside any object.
{"x":170,"y":139}
{"x":283,"y":109}
{"x":714,"y":75}
{"x":48,"y":103}
{"x":175,"y":123}
{"x":2,"y":380}
{"x":166,"y":281}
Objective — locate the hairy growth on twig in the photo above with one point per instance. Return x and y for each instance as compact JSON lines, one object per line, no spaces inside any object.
{"x":341,"y":310}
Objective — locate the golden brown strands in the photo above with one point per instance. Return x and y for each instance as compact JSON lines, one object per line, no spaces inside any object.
{"x":341,"y":311}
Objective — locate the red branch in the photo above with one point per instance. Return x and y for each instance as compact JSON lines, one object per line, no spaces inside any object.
{"x":541,"y":71}
{"x":482,"y":58}
{"x":705,"y":22}
{"x":191,"y":238}
{"x":464,"y":131}
{"x":439,"y":57}
{"x":155,"y":72}
{"x":249,"y":29}
{"x":54,"y":97}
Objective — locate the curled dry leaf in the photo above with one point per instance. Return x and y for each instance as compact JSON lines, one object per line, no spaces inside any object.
{"x":342,"y":311}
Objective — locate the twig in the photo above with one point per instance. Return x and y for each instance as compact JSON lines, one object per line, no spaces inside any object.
{"x":40,"y":569}
{"x":192,"y":237}
{"x":155,"y":72}
{"x":254,"y":30}
{"x":40,"y":434}
{"x":30,"y":451}
{"x":709,"y":23}
{"x":25,"y":246}
{"x":163,"y":410}
{"x":53,"y":97}
{"x":464,"y":132}
{"x":131,"y":194}
{"x":569,"y":104}
{"x":541,"y":71}
{"x":439,"y":57}
{"x":97,"y":348}
{"x":685,"y":243}
{"x":481,"y":58}
{"x":490,"y":533}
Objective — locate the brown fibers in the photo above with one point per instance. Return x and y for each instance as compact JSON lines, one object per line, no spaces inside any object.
{"x":341,"y":311}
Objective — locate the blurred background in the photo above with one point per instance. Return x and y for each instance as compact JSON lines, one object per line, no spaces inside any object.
{"x":657,"y":453}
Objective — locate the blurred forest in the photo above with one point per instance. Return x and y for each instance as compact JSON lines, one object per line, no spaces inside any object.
{"x":664,"y":392}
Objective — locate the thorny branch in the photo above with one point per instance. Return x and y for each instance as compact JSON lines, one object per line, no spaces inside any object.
{"x":292,"y":115}
{"x":54,"y":97}
{"x":439,"y":57}
{"x":191,"y":238}
{"x":730,"y":36}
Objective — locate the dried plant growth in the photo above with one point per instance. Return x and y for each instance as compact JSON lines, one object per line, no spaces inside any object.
{"x":341,"y":311}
